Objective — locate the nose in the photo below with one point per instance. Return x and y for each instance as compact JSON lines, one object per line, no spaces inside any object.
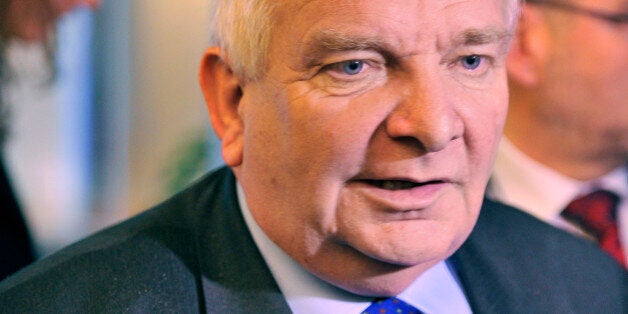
{"x":425,"y":114}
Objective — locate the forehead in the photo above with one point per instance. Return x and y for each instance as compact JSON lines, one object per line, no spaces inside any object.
{"x":406,"y":24}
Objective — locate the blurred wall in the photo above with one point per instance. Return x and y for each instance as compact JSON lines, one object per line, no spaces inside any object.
{"x":121,"y":127}
{"x":168,"y":40}
{"x":151,"y":107}
{"x":123,"y":119}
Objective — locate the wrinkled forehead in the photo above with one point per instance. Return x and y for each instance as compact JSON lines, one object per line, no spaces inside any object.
{"x":364,"y":24}
{"x":297,"y":7}
{"x":302,"y":11}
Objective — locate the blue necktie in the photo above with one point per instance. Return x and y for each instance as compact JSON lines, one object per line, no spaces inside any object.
{"x":391,"y":306}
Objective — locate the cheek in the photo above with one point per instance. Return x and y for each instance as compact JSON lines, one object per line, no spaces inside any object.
{"x":607,"y":55}
{"x":484,"y":121}
{"x":587,"y":89}
{"x":332,"y":133}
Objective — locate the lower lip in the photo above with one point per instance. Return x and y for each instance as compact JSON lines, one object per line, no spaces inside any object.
{"x":416,"y":198}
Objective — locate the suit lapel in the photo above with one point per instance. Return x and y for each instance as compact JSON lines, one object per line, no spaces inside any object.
{"x":486,"y":290}
{"x":513,"y":263}
{"x":234,"y":274}
{"x":491,"y":267}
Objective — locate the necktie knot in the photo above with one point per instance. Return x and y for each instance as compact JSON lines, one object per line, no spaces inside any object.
{"x":596,"y":213}
{"x":391,"y":306}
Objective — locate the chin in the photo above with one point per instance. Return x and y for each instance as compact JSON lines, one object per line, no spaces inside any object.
{"x":426,"y":244}
{"x":407,"y":256}
{"x":378,"y":266}
{"x":390,"y":274}
{"x":394,"y":280}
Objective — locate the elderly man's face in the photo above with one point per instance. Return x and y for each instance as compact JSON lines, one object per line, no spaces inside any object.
{"x":367,"y":146}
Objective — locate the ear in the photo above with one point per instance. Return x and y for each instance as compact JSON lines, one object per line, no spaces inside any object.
{"x":222,"y":91}
{"x":530,"y":48}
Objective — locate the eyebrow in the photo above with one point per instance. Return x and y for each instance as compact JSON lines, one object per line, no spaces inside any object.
{"x":339,"y":41}
{"x":476,"y":37}
{"x":333,"y":40}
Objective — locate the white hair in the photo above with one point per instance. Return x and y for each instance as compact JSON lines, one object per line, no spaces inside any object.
{"x":242,"y":29}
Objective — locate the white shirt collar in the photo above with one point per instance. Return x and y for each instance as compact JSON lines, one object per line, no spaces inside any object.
{"x":522,"y":182}
{"x":435,"y":291}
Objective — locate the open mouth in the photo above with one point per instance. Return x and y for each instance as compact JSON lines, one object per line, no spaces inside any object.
{"x":394,"y":185}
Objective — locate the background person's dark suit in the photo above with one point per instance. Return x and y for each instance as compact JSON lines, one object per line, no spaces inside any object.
{"x":15,"y":244}
{"x":16,"y":249}
{"x":194,"y":253}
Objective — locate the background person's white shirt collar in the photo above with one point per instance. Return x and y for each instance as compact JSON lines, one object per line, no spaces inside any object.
{"x":436,"y":291}
{"x":521,"y":182}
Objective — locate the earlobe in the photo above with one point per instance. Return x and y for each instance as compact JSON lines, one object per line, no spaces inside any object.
{"x":222,"y":91}
{"x":529,"y":49}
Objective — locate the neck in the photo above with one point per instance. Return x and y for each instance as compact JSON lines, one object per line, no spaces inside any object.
{"x":563,"y":141}
{"x":555,"y":152}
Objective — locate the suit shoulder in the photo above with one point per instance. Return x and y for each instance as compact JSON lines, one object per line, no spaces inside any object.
{"x":502,"y":224}
{"x":539,"y":264}
{"x":152,"y":255}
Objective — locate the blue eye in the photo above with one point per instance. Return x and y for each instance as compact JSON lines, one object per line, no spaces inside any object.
{"x":471,"y":62}
{"x":352,"y":67}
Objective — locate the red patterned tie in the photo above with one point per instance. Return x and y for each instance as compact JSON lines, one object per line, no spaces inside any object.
{"x":596,"y":214}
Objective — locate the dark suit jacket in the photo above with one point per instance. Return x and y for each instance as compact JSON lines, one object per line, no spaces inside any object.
{"x":194,"y":253}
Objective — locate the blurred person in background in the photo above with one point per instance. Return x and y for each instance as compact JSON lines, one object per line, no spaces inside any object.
{"x":565,"y":150}
{"x":30,"y":21}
